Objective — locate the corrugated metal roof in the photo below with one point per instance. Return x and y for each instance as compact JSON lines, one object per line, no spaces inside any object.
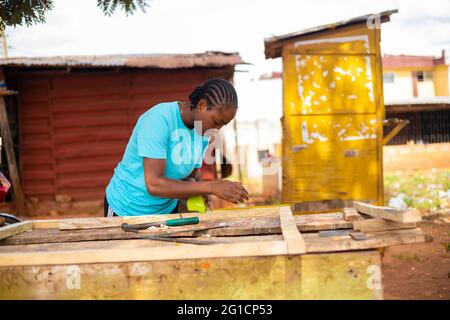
{"x":274,"y":44}
{"x":391,"y":61}
{"x":419,"y":101}
{"x":73,"y":128}
{"x":160,"y":61}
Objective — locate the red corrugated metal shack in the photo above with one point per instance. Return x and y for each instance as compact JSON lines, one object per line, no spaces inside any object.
{"x":73,"y":116}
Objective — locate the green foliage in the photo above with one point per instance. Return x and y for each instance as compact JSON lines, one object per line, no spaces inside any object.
{"x":130,"y":6}
{"x":28,"y":12}
{"x":19,"y":12}
{"x":419,"y":189}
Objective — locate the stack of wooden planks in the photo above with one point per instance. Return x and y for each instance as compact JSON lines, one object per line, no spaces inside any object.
{"x":299,"y":234}
{"x":259,"y":233}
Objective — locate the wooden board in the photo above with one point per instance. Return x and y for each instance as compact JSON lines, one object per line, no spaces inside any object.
{"x":236,"y":227}
{"x":15,"y":229}
{"x":350,"y":214}
{"x":146,"y":250}
{"x":294,"y":240}
{"x":340,"y":276}
{"x":374,"y":240}
{"x":18,"y":195}
{"x":243,"y":239}
{"x":404,"y":216}
{"x":96,"y":223}
{"x":376,"y":225}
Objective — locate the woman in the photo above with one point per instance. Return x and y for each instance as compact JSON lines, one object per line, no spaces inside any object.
{"x":165,"y":151}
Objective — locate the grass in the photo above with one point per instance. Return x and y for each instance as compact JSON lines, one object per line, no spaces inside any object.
{"x":419,"y":189}
{"x":447,"y":247}
{"x":407,"y":257}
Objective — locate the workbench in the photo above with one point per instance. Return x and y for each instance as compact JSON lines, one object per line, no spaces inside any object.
{"x":262,"y":253}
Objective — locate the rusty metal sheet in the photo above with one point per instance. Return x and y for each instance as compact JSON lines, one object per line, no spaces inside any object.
{"x":162,"y":61}
{"x":74,"y":127}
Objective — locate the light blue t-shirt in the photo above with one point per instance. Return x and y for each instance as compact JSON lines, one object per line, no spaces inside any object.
{"x":159,"y":134}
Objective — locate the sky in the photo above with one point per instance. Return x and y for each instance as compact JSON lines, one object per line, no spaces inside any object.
{"x":191,"y":26}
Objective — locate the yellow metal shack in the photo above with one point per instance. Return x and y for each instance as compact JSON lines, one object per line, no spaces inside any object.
{"x":333,"y":112}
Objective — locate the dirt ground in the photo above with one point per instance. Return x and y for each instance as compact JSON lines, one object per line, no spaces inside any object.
{"x":419,"y":271}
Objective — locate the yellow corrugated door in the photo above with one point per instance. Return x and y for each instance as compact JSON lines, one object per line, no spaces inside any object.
{"x":332,"y":118}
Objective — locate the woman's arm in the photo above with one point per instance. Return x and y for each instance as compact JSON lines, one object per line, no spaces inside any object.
{"x":159,"y":185}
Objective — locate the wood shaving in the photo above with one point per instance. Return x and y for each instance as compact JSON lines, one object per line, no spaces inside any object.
{"x":161,"y":227}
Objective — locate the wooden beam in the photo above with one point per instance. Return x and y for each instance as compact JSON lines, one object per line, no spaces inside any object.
{"x":399,"y":125}
{"x":376,"y":225}
{"x":19,"y":198}
{"x":374,"y":240}
{"x":16,"y":228}
{"x":351,"y":214}
{"x":341,"y":275}
{"x":266,"y":225}
{"x":96,"y":223}
{"x":178,"y":252}
{"x":403,"y":216}
{"x":294,"y":240}
{"x":141,"y":250}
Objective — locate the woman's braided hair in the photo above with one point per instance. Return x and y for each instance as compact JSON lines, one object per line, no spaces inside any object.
{"x":217,"y":92}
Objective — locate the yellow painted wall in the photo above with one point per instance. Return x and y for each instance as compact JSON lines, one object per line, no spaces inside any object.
{"x":440,"y":79}
{"x":333,"y":112}
{"x":401,"y":88}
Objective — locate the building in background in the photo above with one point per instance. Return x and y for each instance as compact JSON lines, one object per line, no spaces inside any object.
{"x":73,"y":116}
{"x":409,"y":76}
{"x":416,"y":89}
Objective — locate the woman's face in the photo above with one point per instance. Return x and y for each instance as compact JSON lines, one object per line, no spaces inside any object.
{"x":215,"y":117}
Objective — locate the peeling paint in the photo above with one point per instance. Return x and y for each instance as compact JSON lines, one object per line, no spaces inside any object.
{"x":340,"y":70}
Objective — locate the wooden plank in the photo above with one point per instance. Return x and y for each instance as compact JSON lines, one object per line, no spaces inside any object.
{"x":95,"y":223}
{"x":19,"y":198}
{"x":351,"y":214}
{"x":323,"y":221}
{"x":404,"y":216}
{"x":15,"y":229}
{"x":305,"y":222}
{"x":294,"y":240}
{"x":340,"y":276}
{"x":376,"y":225}
{"x":314,"y":244}
{"x":178,"y":252}
{"x":235,"y":227}
{"x":141,"y":250}
{"x":274,"y":277}
{"x":122,"y":244}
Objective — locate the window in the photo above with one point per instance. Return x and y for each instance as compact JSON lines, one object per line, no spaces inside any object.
{"x":420,"y":76}
{"x":424,"y":76}
{"x":388,"y":77}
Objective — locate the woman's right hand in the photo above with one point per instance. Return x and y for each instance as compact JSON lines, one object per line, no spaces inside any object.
{"x":230,"y":191}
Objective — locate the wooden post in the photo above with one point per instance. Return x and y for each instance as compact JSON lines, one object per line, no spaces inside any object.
{"x":236,"y":147}
{"x":19,"y":198}
{"x":4,"y":44}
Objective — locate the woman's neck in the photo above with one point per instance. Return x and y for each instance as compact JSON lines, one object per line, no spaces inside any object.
{"x":187,"y":114}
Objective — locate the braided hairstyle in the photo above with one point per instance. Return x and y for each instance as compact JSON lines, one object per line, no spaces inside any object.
{"x":217,"y":92}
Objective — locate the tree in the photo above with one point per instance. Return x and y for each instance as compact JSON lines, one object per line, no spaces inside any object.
{"x":28,"y":12}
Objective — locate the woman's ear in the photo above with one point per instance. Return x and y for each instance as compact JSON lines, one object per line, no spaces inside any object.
{"x":202,"y":105}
